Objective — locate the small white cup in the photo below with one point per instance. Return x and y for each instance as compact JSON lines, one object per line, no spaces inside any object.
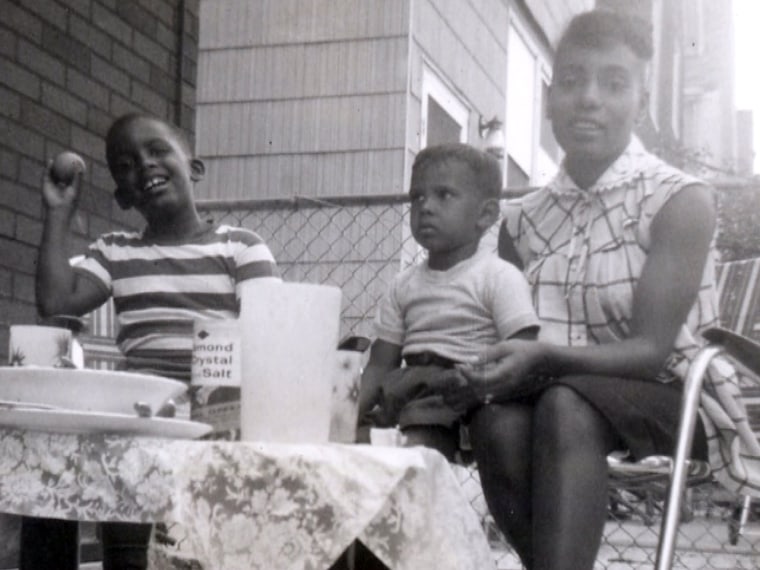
{"x":34,"y":345}
{"x":387,"y":437}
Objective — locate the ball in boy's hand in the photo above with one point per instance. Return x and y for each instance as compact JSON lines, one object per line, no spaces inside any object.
{"x":65,"y":167}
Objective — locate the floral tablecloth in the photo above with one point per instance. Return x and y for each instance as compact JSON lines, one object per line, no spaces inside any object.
{"x":252,"y":505}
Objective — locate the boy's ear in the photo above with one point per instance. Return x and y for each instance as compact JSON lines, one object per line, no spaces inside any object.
{"x":489,"y":213}
{"x":123,"y":199}
{"x":197,"y":169}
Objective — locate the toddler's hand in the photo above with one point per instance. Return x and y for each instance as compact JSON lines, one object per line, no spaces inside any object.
{"x":460,"y":393}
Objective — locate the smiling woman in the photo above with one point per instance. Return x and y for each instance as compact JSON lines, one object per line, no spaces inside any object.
{"x":617,"y":249}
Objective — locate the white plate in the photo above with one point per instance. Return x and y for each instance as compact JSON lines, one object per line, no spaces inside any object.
{"x":87,"y":390}
{"x":72,"y":421}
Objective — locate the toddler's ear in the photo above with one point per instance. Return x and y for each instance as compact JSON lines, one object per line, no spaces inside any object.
{"x":123,"y":199}
{"x":489,"y":213}
{"x":197,"y":169}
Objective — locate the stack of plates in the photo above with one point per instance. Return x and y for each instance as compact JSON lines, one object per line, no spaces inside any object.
{"x":67,"y":400}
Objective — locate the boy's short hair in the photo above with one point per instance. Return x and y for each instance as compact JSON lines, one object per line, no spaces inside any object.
{"x":125,"y":120}
{"x":485,"y":168}
{"x":600,"y":28}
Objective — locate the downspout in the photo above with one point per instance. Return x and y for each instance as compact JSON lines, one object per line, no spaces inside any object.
{"x":180,"y":77}
{"x":407,"y":107}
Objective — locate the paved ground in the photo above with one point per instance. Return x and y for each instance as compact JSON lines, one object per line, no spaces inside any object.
{"x":703,"y":545}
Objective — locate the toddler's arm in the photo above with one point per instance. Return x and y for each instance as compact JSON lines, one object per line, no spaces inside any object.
{"x":383,"y":357}
{"x":58,"y":289}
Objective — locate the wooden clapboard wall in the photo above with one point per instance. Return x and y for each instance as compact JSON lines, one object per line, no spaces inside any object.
{"x":302,"y":98}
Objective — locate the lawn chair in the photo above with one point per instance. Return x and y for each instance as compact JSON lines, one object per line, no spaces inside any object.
{"x":671,"y":476}
{"x":657,"y":478}
{"x":744,"y":352}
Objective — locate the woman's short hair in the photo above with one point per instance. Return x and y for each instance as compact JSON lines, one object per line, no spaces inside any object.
{"x":600,"y":28}
{"x":485,"y":168}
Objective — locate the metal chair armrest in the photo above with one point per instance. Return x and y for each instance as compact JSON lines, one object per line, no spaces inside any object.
{"x":688,"y":418}
{"x":745,"y":351}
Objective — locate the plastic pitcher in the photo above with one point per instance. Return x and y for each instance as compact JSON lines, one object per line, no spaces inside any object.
{"x":289,"y":334}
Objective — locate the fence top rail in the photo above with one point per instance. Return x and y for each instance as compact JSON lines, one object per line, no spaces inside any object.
{"x":306,"y":202}
{"x":297,"y":202}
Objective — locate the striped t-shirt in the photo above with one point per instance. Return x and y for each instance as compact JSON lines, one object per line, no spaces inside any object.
{"x":158,"y":289}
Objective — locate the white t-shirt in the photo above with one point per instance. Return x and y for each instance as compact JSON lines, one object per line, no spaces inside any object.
{"x":458,"y":312}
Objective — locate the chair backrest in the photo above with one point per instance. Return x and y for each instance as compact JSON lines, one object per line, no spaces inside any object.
{"x":739,"y":302}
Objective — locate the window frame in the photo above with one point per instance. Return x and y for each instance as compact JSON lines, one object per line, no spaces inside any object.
{"x":433,"y":87}
{"x":541,"y":74}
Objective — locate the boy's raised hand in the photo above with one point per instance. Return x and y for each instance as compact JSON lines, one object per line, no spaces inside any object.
{"x":61,"y":184}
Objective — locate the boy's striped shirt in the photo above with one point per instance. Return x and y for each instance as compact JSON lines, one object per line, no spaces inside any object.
{"x":159,"y":289}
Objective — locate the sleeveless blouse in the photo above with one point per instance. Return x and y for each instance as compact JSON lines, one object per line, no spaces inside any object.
{"x":583,"y":253}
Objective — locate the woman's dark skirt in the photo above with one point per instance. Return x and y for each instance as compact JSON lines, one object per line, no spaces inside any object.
{"x":644,"y":414}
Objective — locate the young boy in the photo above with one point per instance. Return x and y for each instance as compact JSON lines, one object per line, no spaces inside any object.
{"x":446,"y":310}
{"x":176,"y":269}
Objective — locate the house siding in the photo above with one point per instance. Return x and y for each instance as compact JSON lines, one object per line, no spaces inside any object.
{"x":67,"y":69}
{"x":312,"y":104}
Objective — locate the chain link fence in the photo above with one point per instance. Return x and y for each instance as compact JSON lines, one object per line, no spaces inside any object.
{"x":359,"y":244}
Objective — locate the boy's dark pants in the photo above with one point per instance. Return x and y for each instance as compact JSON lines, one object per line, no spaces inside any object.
{"x":49,"y":543}
{"x":125,"y":545}
{"x":53,"y":543}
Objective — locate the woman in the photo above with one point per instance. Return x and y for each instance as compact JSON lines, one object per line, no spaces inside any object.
{"x":618,"y":251}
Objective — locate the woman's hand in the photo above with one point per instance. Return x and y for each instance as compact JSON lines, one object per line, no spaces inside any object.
{"x":502,"y":371}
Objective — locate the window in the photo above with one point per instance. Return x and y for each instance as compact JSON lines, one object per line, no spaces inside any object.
{"x":532,"y":151}
{"x":444,"y":115}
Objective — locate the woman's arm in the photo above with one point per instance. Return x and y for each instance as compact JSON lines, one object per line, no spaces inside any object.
{"x":681,"y":235}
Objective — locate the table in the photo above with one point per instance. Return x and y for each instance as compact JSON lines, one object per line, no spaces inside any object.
{"x":247,"y":505}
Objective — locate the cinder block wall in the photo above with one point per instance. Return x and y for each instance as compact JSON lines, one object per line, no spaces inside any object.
{"x":67,"y":69}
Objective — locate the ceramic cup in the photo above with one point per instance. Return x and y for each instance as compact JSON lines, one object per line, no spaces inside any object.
{"x":34,"y":345}
{"x":345,"y":396}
